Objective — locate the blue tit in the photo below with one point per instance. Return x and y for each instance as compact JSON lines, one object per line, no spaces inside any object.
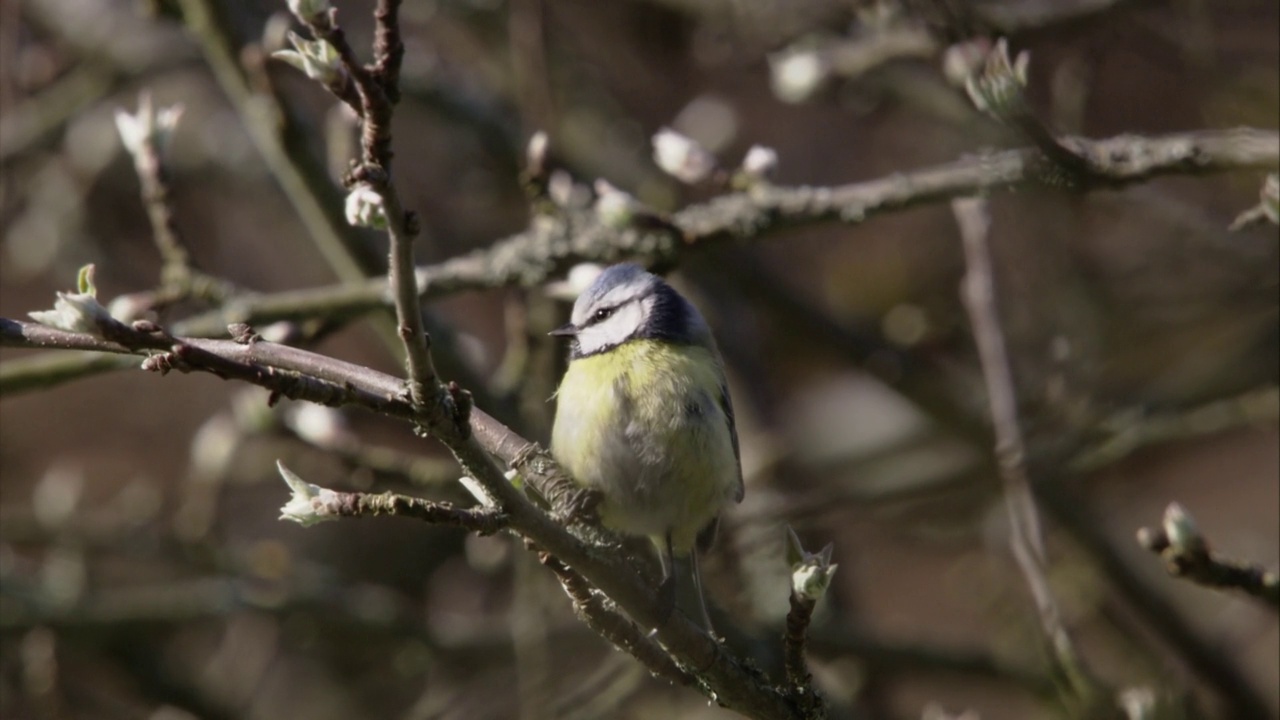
{"x":643,"y":416}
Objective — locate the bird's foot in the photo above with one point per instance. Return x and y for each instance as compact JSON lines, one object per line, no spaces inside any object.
{"x":580,"y":506}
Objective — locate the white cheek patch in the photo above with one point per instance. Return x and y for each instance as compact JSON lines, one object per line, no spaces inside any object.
{"x":615,"y":330}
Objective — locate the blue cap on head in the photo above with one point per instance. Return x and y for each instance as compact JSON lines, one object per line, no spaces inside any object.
{"x":625,"y":302}
{"x":612,"y":277}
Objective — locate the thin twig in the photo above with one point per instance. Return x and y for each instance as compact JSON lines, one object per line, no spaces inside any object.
{"x":481,"y":520}
{"x":1187,"y":554}
{"x":388,"y":49}
{"x":374,"y":168}
{"x":810,"y":577}
{"x":179,"y":276}
{"x":422,"y":371}
{"x":1025,"y":535}
{"x":590,"y":607}
{"x":799,"y":681}
{"x":284,"y":150}
{"x":1208,"y":659}
{"x":373,"y":93}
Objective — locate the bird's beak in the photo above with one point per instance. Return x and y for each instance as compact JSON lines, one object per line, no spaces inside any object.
{"x":564,"y":331}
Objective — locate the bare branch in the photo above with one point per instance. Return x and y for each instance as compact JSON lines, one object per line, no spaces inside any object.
{"x":1025,"y":536}
{"x":311,"y":504}
{"x":550,"y":248}
{"x":283,"y":147}
{"x":146,"y":136}
{"x":591,"y":608}
{"x":531,"y":258}
{"x":300,"y":374}
{"x":1186,"y":554}
{"x":811,"y":575}
{"x":374,"y":170}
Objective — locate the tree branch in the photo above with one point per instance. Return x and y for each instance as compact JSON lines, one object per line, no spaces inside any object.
{"x":531,"y":258}
{"x":304,"y":375}
{"x":1025,"y":535}
{"x":1186,"y":554}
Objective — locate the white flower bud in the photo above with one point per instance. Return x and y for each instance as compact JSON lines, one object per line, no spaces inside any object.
{"x":147,"y":127}
{"x":317,"y":58}
{"x":364,"y":208}
{"x":997,"y":90}
{"x":1270,"y":198}
{"x":566,"y":193}
{"x":309,"y":11}
{"x":811,"y":573}
{"x":307,"y":504}
{"x":796,"y":74}
{"x":1182,"y":531}
{"x":579,"y":278}
{"x":759,"y":163}
{"x":76,"y":312}
{"x":963,"y":60}
{"x":536,"y":151}
{"x":681,"y":157}
{"x":614,"y":207}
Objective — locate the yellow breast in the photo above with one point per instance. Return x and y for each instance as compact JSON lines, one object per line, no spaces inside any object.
{"x":645,"y":425}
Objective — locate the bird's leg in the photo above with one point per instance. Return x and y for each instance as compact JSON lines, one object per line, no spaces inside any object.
{"x":697,"y":585}
{"x":582,"y":505}
{"x":667,"y":589}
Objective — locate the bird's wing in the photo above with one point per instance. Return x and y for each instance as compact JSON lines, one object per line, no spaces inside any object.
{"x":727,"y":406}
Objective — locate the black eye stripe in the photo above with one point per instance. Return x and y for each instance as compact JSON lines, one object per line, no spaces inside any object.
{"x":601,"y":315}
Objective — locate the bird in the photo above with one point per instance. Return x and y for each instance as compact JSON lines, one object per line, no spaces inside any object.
{"x":643,"y":416}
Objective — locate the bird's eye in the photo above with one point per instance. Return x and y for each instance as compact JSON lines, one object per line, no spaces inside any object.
{"x":602,"y":314}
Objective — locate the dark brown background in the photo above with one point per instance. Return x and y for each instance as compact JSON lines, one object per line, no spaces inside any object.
{"x":151,"y":610}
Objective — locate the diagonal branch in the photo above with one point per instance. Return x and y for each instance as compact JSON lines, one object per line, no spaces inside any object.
{"x":304,"y":375}
{"x":1025,"y":535}
{"x":538,"y":254}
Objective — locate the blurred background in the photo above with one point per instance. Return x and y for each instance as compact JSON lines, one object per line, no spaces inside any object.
{"x":144,"y":574}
